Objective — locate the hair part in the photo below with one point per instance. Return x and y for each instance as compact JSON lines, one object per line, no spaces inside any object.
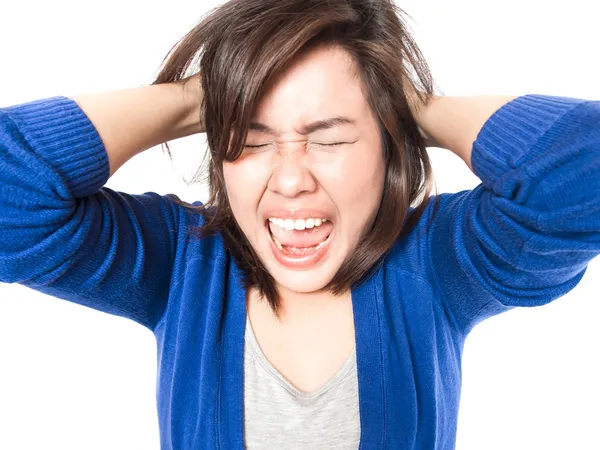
{"x":242,"y":46}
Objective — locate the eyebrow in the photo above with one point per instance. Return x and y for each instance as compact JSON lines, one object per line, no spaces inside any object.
{"x":308,"y":128}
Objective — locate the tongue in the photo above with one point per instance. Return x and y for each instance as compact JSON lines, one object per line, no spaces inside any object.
{"x":308,"y":237}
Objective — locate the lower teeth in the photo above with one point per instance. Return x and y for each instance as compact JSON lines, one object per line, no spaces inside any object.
{"x":321,"y":244}
{"x":289,"y":249}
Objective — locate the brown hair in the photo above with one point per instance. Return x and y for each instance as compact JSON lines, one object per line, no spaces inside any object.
{"x":243,"y":45}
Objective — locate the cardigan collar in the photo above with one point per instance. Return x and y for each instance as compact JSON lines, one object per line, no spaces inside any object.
{"x":366,"y":302}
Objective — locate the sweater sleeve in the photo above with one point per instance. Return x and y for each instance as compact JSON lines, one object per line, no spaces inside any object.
{"x":62,"y":233}
{"x":526,"y":234}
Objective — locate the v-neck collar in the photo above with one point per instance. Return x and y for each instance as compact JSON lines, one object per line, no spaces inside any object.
{"x":256,"y":353}
{"x":366,"y":302}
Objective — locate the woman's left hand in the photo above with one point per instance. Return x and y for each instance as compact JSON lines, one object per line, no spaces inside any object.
{"x":417,"y":107}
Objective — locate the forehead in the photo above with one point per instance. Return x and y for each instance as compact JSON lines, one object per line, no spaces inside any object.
{"x":319,"y":84}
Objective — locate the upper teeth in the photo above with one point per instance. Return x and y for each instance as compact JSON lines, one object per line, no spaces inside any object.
{"x":297,"y":224}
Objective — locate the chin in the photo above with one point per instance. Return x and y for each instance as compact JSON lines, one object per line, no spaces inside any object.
{"x":303,"y":282}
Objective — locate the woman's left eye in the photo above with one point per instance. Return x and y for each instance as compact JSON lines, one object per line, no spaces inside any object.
{"x":330,"y":145}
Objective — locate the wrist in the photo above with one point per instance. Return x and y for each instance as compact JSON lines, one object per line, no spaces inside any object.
{"x":422,"y":116}
{"x":420,"y":113}
{"x":418,"y":102}
{"x":193,"y":95}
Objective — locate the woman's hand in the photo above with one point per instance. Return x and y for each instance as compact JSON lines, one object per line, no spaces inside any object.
{"x":192,"y":89}
{"x":130,"y":121}
{"x":453,"y":122}
{"x":417,"y":108}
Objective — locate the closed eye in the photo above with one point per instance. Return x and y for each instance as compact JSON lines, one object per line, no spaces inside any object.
{"x":333,"y":144}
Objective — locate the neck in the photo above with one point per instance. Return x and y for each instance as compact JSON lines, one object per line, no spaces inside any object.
{"x":299,"y":305}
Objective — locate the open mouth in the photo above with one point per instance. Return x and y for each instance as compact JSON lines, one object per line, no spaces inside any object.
{"x":298,"y":255}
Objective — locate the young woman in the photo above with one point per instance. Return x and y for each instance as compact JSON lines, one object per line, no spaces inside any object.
{"x":321,"y":297}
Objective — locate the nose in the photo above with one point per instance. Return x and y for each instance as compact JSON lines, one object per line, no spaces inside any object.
{"x":291,"y":175}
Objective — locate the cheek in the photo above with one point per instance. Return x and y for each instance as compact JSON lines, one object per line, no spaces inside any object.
{"x":354,"y":180}
{"x":245,"y":183}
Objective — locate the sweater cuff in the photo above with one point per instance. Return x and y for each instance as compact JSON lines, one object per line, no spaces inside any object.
{"x":511,"y":133}
{"x":58,"y":130}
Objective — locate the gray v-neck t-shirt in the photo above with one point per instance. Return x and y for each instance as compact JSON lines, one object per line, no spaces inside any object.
{"x":278,"y":415}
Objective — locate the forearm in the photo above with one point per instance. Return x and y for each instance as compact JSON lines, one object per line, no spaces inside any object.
{"x":130,"y":121}
{"x":455,"y":122}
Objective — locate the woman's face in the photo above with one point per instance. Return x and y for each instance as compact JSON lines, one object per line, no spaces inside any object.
{"x":294,"y":179}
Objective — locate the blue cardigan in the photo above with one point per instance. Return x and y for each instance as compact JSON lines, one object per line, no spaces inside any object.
{"x":523,"y":237}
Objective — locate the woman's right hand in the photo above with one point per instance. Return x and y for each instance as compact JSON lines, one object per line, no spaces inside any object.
{"x":130,"y":121}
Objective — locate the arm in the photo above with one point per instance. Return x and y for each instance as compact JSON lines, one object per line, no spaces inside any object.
{"x":130,"y":121}
{"x":526,"y":234}
{"x":455,"y":122}
{"x":65,"y":234}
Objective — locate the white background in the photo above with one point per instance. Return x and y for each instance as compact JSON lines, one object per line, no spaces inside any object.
{"x":75,"y":378}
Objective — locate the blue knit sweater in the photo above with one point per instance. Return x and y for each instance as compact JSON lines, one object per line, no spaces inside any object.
{"x":523,"y":237}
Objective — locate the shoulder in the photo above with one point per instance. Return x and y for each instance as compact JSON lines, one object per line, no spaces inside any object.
{"x":409,"y":252}
{"x":209,"y":247}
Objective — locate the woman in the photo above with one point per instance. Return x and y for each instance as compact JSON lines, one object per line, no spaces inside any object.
{"x":307,"y":304}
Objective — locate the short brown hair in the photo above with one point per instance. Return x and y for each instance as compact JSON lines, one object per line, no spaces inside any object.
{"x":241,"y":46}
